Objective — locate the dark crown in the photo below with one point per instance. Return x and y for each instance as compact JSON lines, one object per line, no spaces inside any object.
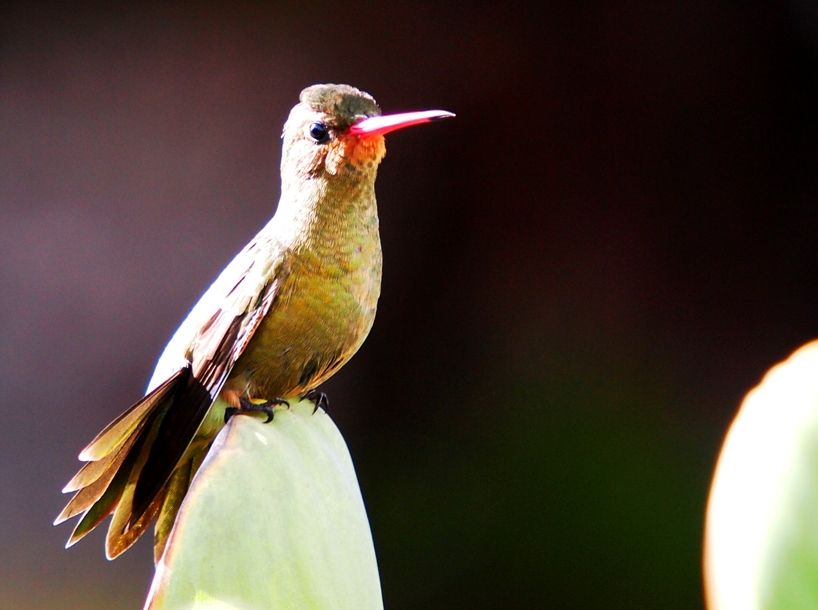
{"x":342,"y":102}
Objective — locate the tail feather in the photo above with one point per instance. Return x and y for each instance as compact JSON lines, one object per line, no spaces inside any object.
{"x":93,"y":471}
{"x":174,"y":494}
{"x":115,"y":433}
{"x":103,"y":507}
{"x":117,"y":542}
{"x":124,"y":529}
{"x":132,"y":461}
{"x":174,"y":434}
{"x":90,"y":486}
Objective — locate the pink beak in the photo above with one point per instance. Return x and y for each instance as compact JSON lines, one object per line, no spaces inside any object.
{"x":380,"y":125}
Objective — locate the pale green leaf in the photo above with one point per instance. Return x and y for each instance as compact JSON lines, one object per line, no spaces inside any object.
{"x":274,"y":519}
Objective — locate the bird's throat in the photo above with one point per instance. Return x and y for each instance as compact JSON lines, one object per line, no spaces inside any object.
{"x":330,"y":218}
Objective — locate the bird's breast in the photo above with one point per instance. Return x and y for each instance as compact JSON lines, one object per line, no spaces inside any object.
{"x":323,"y":311}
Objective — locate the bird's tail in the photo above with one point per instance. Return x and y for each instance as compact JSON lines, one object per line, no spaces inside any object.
{"x":137,"y":467}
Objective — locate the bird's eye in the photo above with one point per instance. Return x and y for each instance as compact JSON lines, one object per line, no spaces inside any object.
{"x":319,"y":132}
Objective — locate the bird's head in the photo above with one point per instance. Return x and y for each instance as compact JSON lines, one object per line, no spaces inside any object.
{"x":336,"y":131}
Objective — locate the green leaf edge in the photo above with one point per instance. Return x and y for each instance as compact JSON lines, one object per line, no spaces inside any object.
{"x":273,"y":519}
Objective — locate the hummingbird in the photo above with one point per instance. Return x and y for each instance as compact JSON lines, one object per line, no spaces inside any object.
{"x":285,"y":315}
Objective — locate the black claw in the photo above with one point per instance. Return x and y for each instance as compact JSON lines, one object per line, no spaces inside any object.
{"x":269,"y":412}
{"x":319,"y":399}
{"x":248,"y":406}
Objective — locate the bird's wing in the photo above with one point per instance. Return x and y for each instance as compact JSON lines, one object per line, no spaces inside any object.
{"x":222,"y":339}
{"x":132,"y":459}
{"x":215,"y":348}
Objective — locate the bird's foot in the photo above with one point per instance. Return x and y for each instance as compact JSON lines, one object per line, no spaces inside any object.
{"x":319,"y":399}
{"x":248,"y":406}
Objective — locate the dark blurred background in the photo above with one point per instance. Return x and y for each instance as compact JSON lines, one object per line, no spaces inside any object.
{"x":584,"y":272}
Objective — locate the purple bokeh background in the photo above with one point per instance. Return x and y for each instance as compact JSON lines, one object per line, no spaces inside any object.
{"x":584,"y":272}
